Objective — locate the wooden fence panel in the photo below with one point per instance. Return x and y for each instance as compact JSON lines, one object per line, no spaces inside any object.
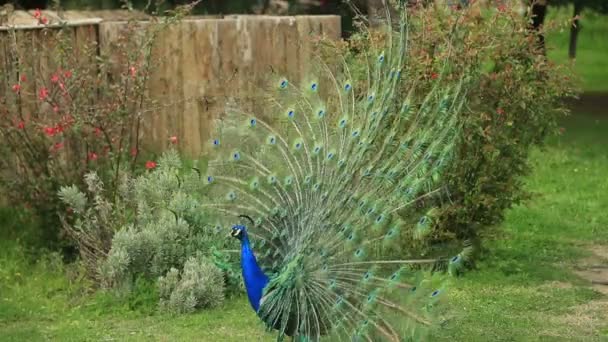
{"x":204,"y":62}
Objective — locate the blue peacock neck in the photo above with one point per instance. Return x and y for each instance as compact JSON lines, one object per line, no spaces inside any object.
{"x":253,"y":276}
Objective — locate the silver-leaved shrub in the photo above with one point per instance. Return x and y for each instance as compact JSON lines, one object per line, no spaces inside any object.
{"x":151,"y":228}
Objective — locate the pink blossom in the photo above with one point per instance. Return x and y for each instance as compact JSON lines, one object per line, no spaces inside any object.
{"x":150,"y":165}
{"x":49,"y":131}
{"x":43,"y":93}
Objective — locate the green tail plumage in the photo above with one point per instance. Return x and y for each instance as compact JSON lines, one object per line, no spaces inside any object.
{"x":335,"y":177}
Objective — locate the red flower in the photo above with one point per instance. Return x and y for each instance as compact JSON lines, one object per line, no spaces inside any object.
{"x":23,"y":78}
{"x":173,"y":139}
{"x":55,"y":78}
{"x":97,"y":131}
{"x":16,"y":88}
{"x":132,"y":71}
{"x":434,"y":76}
{"x":49,"y":131}
{"x":92,"y":156}
{"x":55,"y":108}
{"x":58,"y":146}
{"x":43,"y":20}
{"x":43,"y":93}
{"x":133,"y":152}
{"x":500,"y":111}
{"x":150,"y":165}
{"x":502,"y":8}
{"x":37,"y":13}
{"x":67,"y":74}
{"x":21,"y":125}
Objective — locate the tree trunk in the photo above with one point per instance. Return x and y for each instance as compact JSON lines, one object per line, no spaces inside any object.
{"x":539,"y":10}
{"x":578,"y":8}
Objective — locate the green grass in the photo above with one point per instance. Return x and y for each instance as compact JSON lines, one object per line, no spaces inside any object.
{"x":591,"y":64}
{"x":526,"y":289}
{"x":523,"y":290}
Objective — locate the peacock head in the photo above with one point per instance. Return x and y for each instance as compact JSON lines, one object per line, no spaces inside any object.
{"x":239,"y":231}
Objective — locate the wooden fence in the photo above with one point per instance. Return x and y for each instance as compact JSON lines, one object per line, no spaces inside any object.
{"x":204,"y":61}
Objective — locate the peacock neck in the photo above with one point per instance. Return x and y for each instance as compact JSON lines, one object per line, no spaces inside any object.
{"x":253,"y":276}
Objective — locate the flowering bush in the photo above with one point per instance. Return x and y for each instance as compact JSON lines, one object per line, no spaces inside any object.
{"x":67,"y":108}
{"x":514,"y":103}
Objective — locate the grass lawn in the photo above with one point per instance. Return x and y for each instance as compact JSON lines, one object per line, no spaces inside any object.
{"x":591,"y":63}
{"x":525,"y":289}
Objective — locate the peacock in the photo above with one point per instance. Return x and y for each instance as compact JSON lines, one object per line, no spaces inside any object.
{"x":325,"y":186}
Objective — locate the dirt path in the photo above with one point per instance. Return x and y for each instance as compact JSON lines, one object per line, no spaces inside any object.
{"x":595,"y":268}
{"x":592,"y":316}
{"x":591,"y":103}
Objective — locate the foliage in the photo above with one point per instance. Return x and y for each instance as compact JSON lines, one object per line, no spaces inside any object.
{"x":152,"y":229}
{"x":68,"y":108}
{"x":513,"y":105}
{"x":199,"y":285}
{"x":519,"y":99}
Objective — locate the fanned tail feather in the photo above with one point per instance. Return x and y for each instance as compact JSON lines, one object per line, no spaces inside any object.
{"x":331,"y":176}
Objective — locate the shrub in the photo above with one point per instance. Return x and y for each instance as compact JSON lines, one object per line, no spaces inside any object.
{"x":199,"y":285}
{"x":68,"y":107}
{"x":514,"y":102}
{"x":153,"y":227}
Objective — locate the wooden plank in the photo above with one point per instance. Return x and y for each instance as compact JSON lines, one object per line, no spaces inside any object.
{"x":202,"y":63}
